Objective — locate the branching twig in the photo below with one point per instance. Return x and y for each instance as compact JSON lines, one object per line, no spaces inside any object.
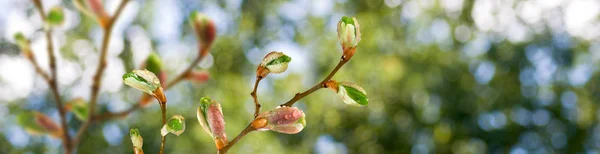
{"x":189,"y":69}
{"x":36,"y":66}
{"x":99,"y":71}
{"x":318,"y":86}
{"x":289,"y":103}
{"x":179,"y":78}
{"x":253,"y":94}
{"x":52,"y":81}
{"x":110,"y":115}
{"x":247,"y":130}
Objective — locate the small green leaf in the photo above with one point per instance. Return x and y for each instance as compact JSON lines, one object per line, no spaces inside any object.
{"x":356,"y":95}
{"x":56,"y":16}
{"x":351,"y":93}
{"x":282,"y":59}
{"x":175,"y":125}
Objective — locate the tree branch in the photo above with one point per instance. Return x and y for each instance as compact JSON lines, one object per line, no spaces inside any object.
{"x":99,"y":71}
{"x":52,"y":80}
{"x":247,"y":130}
{"x":36,"y":66}
{"x":253,"y":94}
{"x":163,"y":110}
{"x":111,"y":115}
{"x":289,"y":103}
{"x":189,"y":69}
{"x":318,"y":86}
{"x":179,"y":78}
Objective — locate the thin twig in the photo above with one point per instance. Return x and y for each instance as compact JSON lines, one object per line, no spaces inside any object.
{"x":247,"y":130}
{"x":110,"y":115}
{"x":291,"y":102}
{"x":36,"y":66}
{"x":163,"y":109}
{"x":52,"y":80}
{"x":187,"y":71}
{"x":253,"y":94}
{"x":318,"y":86}
{"x":179,"y":78}
{"x":99,"y":71}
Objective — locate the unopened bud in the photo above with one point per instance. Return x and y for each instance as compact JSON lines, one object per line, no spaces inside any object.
{"x":349,"y":35}
{"x":175,"y":125}
{"x":210,"y":117}
{"x":205,"y":30}
{"x":288,"y":120}
{"x":56,"y":16}
{"x":274,"y":62}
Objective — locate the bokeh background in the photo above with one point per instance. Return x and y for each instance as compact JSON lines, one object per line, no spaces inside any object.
{"x":443,"y":76}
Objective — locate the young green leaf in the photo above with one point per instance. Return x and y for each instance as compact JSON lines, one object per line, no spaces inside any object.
{"x":350,"y":93}
{"x":175,"y":125}
{"x":288,"y":120}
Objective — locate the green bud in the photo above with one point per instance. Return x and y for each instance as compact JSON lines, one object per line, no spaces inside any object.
{"x":136,"y":138}
{"x":274,"y":62}
{"x":205,"y":30}
{"x":153,"y":63}
{"x":56,"y":17}
{"x":348,"y":32}
{"x":175,"y":125}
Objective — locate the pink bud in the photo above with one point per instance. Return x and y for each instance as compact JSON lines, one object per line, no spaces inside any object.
{"x":289,"y":120}
{"x":198,"y":76}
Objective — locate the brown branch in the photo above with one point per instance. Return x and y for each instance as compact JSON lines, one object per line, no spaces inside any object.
{"x":189,"y":69}
{"x":318,"y":86}
{"x":247,"y":130}
{"x":253,"y":94}
{"x":52,"y":80}
{"x":111,"y":115}
{"x":163,"y":109}
{"x":179,"y":78}
{"x":99,"y":71}
{"x":291,"y":102}
{"x":36,"y":66}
